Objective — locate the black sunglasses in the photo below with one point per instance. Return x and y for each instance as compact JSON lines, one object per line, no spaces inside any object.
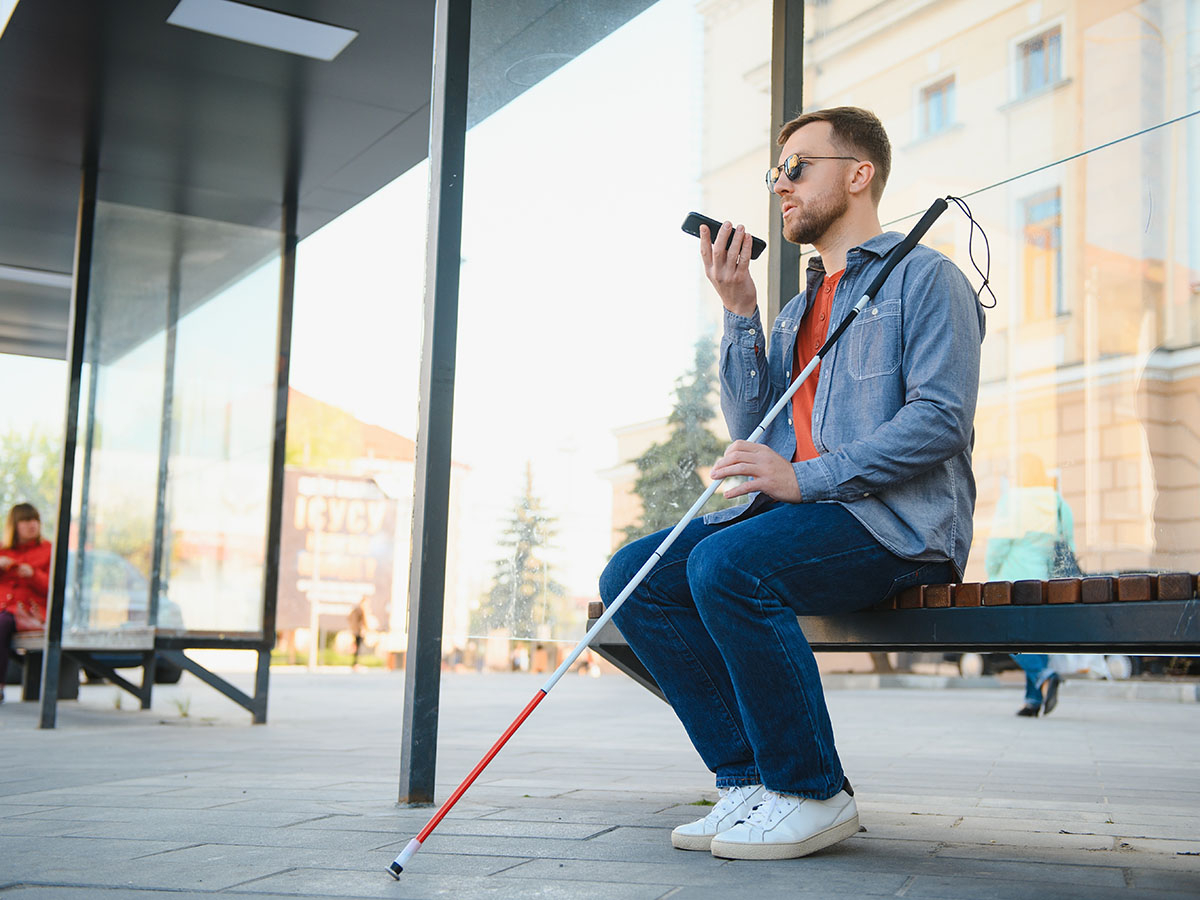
{"x":793,"y":167}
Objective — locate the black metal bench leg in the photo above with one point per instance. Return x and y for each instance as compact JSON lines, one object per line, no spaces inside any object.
{"x":31,"y":676}
{"x":149,"y":667}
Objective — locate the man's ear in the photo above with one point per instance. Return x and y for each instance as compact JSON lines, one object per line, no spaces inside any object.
{"x":862,"y":176}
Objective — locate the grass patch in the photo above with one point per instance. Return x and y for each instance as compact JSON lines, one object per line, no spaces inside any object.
{"x":702,"y":802}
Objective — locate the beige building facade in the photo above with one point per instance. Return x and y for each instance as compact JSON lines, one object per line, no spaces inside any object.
{"x":1072,"y":128}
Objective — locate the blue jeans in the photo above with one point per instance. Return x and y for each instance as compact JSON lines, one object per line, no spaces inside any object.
{"x":715,"y":624}
{"x":1037,"y":670}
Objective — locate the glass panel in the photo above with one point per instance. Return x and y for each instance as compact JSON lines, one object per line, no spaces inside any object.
{"x":583,"y":309}
{"x":1088,"y":186}
{"x":352,"y":415}
{"x":151,"y":268}
{"x":31,"y":425}
{"x":222,"y":427}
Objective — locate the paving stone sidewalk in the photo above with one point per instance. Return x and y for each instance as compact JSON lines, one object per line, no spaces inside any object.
{"x":960,"y":798}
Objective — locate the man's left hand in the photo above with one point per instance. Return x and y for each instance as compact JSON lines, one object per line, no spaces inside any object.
{"x":771,"y":473}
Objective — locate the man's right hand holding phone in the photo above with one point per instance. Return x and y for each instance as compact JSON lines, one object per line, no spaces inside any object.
{"x":729,"y":269}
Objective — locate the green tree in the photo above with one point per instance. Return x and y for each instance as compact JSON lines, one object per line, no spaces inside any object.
{"x":29,"y":473}
{"x":320,"y":436}
{"x":668,"y":481}
{"x":524,"y":594}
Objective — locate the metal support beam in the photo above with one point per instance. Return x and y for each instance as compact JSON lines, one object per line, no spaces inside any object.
{"x":287,"y":292}
{"x":787,"y":88}
{"x":427,"y":576}
{"x":166,"y":427}
{"x":257,"y":705}
{"x":85,"y":229}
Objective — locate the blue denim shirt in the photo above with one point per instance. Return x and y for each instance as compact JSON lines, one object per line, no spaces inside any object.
{"x":895,"y":404}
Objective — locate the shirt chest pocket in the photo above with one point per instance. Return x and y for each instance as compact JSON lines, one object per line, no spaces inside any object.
{"x":875,"y":340}
{"x":783,"y":341}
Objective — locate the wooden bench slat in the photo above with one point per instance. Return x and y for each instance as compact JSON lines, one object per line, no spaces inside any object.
{"x":997,"y":593}
{"x":937,"y":596}
{"x":969,"y":593}
{"x":1063,"y":590}
{"x":1135,"y":588}
{"x":1097,"y":590}
{"x":1028,"y":593}
{"x":1175,"y":586}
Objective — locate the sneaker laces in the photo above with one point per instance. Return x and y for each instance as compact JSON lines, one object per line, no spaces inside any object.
{"x":731,"y":799}
{"x":771,"y":809}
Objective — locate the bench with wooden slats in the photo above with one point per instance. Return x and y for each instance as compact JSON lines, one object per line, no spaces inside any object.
{"x":28,"y":647}
{"x":1134,"y":614}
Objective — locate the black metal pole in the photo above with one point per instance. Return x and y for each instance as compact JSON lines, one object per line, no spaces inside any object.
{"x":427,"y":576}
{"x":287,"y":291}
{"x":85,"y":228}
{"x":787,"y":89}
{"x":165,"y":436}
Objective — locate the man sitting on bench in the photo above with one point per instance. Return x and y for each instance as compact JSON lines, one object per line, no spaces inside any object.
{"x":862,"y":490}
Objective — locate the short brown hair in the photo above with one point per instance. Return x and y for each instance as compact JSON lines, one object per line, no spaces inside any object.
{"x":855,"y":131}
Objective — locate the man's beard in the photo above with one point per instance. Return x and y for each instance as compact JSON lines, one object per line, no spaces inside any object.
{"x":815,"y":219}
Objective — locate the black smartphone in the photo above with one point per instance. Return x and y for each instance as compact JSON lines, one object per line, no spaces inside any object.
{"x":692,"y":226}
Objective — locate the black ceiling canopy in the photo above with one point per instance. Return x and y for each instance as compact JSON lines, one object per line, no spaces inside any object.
{"x":182,"y":121}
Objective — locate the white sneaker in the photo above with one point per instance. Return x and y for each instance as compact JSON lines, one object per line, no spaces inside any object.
{"x":786,"y":827}
{"x":735,"y":804}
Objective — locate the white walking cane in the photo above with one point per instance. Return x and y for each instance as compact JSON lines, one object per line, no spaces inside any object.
{"x":897,"y":253}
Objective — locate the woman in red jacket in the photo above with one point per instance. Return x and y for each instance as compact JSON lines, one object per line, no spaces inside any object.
{"x":24,"y":579}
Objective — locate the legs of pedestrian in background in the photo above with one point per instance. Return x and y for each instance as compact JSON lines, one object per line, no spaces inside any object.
{"x":1041,"y":684}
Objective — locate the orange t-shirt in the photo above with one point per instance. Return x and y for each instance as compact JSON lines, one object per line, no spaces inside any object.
{"x":814,"y":328}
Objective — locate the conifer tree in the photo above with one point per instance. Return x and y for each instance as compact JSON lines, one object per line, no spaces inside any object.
{"x":668,"y":482}
{"x":524,"y":593}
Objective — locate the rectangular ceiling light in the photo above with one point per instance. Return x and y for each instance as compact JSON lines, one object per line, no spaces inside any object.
{"x":262,"y":27}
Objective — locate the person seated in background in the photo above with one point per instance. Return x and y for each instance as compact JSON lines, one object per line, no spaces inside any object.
{"x":24,"y":579}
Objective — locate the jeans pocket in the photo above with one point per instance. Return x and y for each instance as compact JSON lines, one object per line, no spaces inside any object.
{"x":927,"y":573}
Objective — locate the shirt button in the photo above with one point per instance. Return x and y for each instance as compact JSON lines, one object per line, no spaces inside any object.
{"x":822,"y":317}
{"x":753,"y":373}
{"x":752,"y":331}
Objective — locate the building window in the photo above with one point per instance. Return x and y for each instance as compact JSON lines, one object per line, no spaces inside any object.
{"x":1042,"y":257}
{"x":937,"y":106}
{"x":1039,"y":62}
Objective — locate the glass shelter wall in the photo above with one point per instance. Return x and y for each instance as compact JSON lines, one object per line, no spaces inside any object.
{"x":584,"y":317}
{"x":1073,"y":128}
{"x":169,"y":516}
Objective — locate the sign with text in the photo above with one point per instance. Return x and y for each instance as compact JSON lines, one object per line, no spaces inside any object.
{"x":337,"y":546}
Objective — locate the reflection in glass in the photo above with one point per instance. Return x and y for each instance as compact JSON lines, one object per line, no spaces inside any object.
{"x":581,"y":306}
{"x":1079,"y":150}
{"x":1039,"y":60}
{"x":175,"y":403}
